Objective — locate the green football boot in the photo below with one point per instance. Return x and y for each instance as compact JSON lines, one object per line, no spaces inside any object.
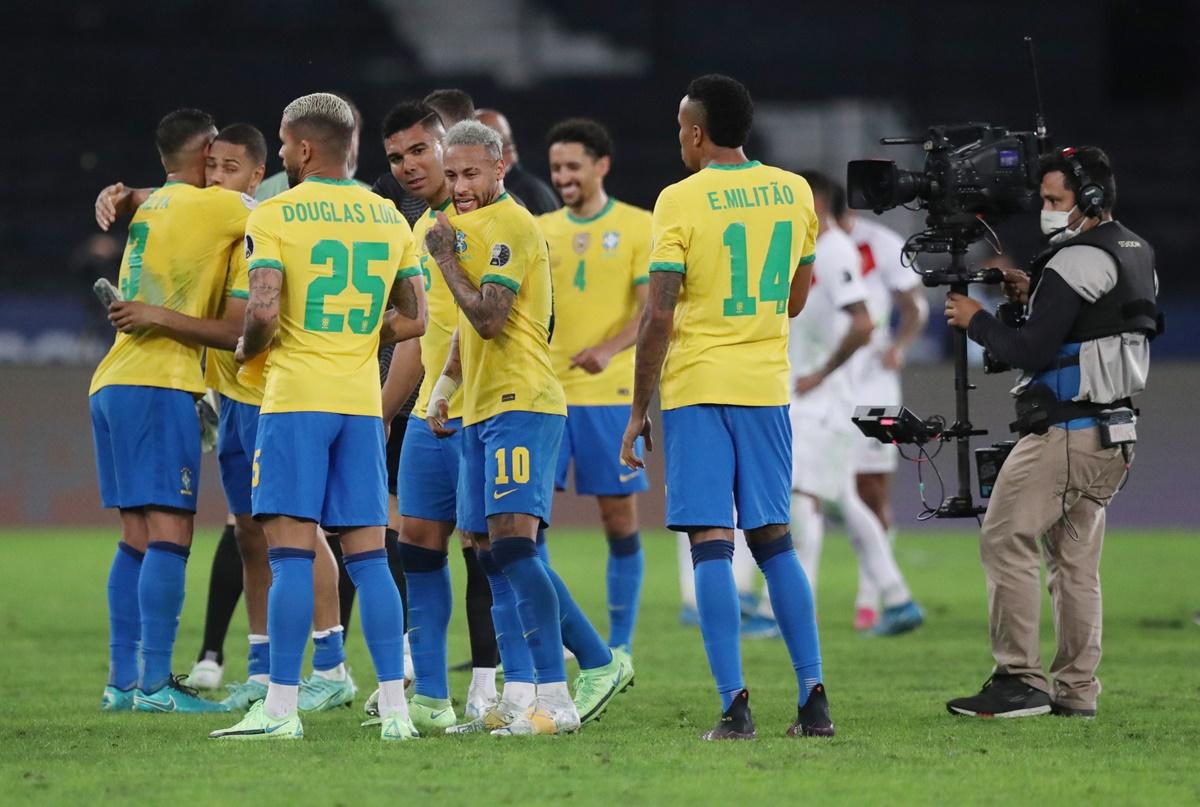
{"x":318,"y":694}
{"x":174,"y":697}
{"x":116,"y":700}
{"x":595,"y":688}
{"x":431,"y":715}
{"x":396,"y":727}
{"x":258,"y":725}
{"x":242,"y":696}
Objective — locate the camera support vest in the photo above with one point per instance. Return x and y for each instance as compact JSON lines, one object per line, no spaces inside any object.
{"x":1131,"y":304}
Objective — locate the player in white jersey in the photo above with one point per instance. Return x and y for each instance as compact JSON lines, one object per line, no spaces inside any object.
{"x":891,"y":283}
{"x":834,"y":325}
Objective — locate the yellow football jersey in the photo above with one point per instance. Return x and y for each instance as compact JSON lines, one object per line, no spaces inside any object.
{"x":177,"y":256}
{"x":737,"y":234}
{"x":340,"y":249}
{"x":501,"y":244}
{"x":596,"y":263}
{"x":220,"y":370}
{"x":443,"y":318}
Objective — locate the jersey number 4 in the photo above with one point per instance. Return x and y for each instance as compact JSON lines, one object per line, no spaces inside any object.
{"x":349,"y":267}
{"x":773,"y":285}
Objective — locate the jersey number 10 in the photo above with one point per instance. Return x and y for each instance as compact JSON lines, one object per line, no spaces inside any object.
{"x":349,"y":267}
{"x":773,"y":283}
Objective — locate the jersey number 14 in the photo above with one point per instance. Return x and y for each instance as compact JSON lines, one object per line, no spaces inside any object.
{"x":773,"y":283}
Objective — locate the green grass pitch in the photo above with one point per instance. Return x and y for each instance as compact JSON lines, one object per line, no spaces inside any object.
{"x":895,"y":743}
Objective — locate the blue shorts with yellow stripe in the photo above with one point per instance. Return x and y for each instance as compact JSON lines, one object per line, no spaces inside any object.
{"x":508,"y":464}
{"x":236,"y":437}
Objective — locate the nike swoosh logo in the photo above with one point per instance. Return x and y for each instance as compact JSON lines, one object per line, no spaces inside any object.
{"x":627,"y":477}
{"x":496,"y":495}
{"x":436,"y":715}
{"x":273,"y":729}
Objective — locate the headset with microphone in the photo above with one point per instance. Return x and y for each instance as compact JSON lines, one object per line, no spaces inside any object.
{"x":1090,"y":197}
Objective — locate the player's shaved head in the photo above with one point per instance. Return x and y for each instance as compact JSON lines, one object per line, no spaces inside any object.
{"x":182,"y":135}
{"x":318,"y":133}
{"x":452,"y":105}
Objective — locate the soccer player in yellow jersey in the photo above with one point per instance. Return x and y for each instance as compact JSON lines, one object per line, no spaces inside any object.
{"x":733,"y":248}
{"x":495,"y":263}
{"x":142,"y":399}
{"x":325,"y":258}
{"x":599,"y":253}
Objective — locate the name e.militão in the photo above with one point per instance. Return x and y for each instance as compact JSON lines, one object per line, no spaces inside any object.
{"x":754,"y":196}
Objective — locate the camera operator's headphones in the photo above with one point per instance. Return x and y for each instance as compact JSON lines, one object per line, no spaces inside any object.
{"x":1090,"y":196}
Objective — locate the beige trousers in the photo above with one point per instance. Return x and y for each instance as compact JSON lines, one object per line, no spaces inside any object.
{"x":1027,"y":508}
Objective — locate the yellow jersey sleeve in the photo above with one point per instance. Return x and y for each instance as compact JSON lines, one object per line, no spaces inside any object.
{"x":671,"y":235}
{"x":509,"y":255}
{"x":262,"y":241}
{"x":642,"y":228}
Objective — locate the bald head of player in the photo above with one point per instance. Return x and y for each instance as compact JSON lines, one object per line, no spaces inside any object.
{"x":495,"y":120}
{"x":183,"y":138}
{"x":317,"y":132}
{"x":474,"y":165}
{"x":580,"y":158}
{"x":451,"y":105}
{"x":412,"y":142}
{"x":714,"y":121}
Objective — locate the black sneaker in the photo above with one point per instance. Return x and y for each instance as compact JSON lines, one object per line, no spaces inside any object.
{"x":1002,"y":696}
{"x":1070,"y":711}
{"x":736,"y":723}
{"x":812,"y":719}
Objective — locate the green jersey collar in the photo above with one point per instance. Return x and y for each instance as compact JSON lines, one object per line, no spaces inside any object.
{"x":330,"y":180}
{"x":735,"y":166}
{"x":589,"y":219}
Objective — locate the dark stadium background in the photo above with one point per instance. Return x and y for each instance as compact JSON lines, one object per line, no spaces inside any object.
{"x":85,"y":83}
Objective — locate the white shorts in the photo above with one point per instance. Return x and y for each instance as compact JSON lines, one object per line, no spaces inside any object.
{"x":879,"y":387}
{"x":820,"y":457}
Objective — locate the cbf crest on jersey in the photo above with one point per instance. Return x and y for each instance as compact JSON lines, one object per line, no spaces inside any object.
{"x":460,"y":241}
{"x":611,"y":240}
{"x":581,"y":242}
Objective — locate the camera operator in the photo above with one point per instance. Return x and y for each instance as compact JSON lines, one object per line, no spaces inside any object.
{"x":1083,"y":352}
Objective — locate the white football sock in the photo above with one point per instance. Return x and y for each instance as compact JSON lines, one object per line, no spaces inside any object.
{"x":337,"y":673}
{"x":519,"y":694}
{"x":483,"y":682}
{"x":281,"y":700}
{"x":554,"y":694}
{"x":391,"y":698}
{"x":745,"y":570}
{"x":687,"y":582}
{"x":808,"y":534}
{"x":874,"y":552}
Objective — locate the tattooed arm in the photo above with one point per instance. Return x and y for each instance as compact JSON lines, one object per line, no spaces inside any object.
{"x":486,"y":308}
{"x":653,"y":340}
{"x":262,"y":312}
{"x":407,"y":317}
